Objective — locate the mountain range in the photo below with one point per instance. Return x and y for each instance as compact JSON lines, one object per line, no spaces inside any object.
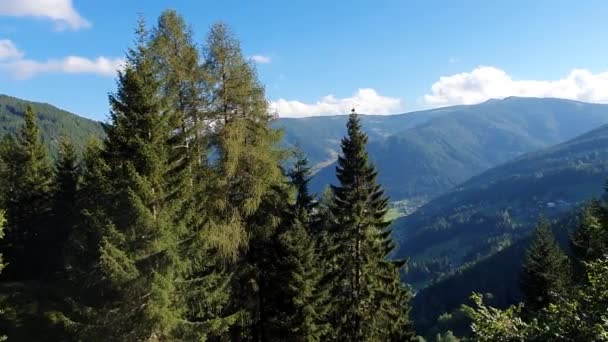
{"x":427,"y":153}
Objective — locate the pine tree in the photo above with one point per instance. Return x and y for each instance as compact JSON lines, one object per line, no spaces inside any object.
{"x":545,"y":271}
{"x":64,"y":206}
{"x":369,"y":302}
{"x":27,"y":178}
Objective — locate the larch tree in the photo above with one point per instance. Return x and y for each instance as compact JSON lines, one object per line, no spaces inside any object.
{"x":369,"y":303}
{"x":246,"y":146}
{"x":205,"y":245}
{"x":249,"y":195}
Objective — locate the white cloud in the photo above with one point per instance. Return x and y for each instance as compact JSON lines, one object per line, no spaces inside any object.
{"x":486,"y":82}
{"x":261,"y":59}
{"x":60,"y":11}
{"x":365,"y":100}
{"x":13,"y":63}
{"x":26,"y":68}
{"x":453,"y":60}
{"x":9,"y":51}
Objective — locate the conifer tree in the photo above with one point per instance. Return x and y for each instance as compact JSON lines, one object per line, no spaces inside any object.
{"x":248,"y":158}
{"x":249,"y":195}
{"x":179,"y":69}
{"x":64,"y":206}
{"x":206,"y":245}
{"x":27,"y":178}
{"x":2,"y":223}
{"x":545,"y":271}
{"x":138,"y":251}
{"x":300,"y":176}
{"x":590,"y":239}
{"x":368,"y":301}
{"x":82,"y":247}
{"x":299,"y":307}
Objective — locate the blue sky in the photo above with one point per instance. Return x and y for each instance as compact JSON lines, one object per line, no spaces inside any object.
{"x":323,"y":57}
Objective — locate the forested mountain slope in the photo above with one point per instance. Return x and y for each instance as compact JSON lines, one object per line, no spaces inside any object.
{"x":498,"y":207}
{"x":54,"y":122}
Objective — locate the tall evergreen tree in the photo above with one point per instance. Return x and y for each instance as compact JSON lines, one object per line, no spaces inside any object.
{"x":64,"y":206}
{"x":82,"y":247}
{"x":138,"y":252}
{"x":27,"y":178}
{"x":545,"y":272}
{"x":369,"y":302}
{"x":298,"y":309}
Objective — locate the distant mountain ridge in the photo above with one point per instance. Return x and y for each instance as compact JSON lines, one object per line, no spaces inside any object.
{"x":54,"y":123}
{"x":428,"y":152}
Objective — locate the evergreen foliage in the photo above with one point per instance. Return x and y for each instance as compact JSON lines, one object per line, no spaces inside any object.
{"x":299,"y":306}
{"x":2,"y":224}
{"x":368,"y":301}
{"x":138,"y":253}
{"x":545,"y":272}
{"x":578,"y":313}
{"x":590,"y":240}
{"x":27,"y":181}
{"x":64,"y":200}
{"x":2,"y":265}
